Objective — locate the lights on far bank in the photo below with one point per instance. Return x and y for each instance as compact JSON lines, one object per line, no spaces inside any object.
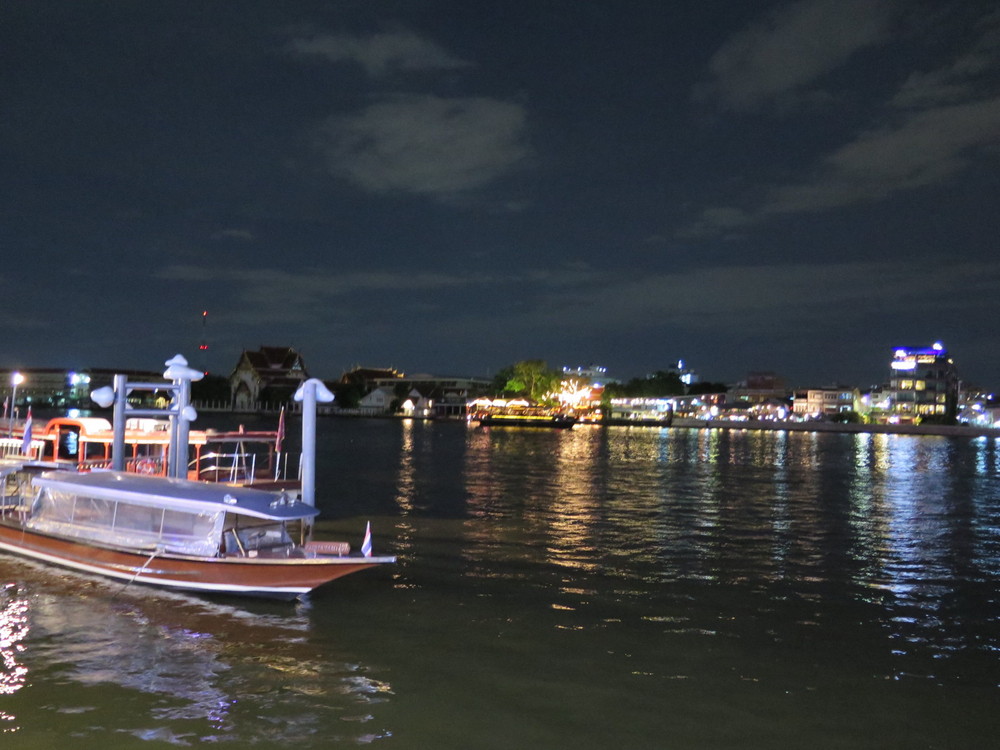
{"x":908,"y":358}
{"x":16,"y":379}
{"x":574,"y":394}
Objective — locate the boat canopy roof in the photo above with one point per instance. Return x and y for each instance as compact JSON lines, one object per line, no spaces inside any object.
{"x":9,"y":465}
{"x":86,"y":424}
{"x":137,"y":431}
{"x":178,"y":494}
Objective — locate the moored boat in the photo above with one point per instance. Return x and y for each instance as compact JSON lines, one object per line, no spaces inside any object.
{"x":170,"y":530}
{"x":527,"y":420}
{"x":175,"y":533}
{"x":517,"y":413}
{"x":235,"y":456}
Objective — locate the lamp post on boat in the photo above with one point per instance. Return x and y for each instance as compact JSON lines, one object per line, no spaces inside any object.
{"x":183,"y":413}
{"x":180,"y":411}
{"x":16,"y":379}
{"x":311,"y":391}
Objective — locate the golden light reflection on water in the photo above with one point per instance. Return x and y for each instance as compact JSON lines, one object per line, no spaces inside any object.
{"x":405,"y":483}
{"x":575,"y":514}
{"x":732,"y":506}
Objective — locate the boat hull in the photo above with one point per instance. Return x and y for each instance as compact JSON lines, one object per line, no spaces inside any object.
{"x":282,"y":578}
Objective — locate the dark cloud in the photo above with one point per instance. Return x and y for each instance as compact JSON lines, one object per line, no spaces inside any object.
{"x":791,"y":48}
{"x":379,"y":54}
{"x":449,"y":187}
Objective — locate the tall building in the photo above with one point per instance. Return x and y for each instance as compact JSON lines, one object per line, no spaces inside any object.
{"x":923,"y":383}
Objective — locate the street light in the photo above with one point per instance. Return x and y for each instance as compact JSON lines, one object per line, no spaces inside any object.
{"x":16,"y":379}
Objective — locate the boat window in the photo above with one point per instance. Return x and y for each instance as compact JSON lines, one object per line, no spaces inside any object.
{"x":139,"y":518}
{"x":263,"y":537}
{"x":180,"y":524}
{"x":123,"y":524}
{"x":56,"y":507}
{"x":93,"y":511}
{"x":94,"y":451}
{"x":69,"y":442}
{"x":11,"y":490}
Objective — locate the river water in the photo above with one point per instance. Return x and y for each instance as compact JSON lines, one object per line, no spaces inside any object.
{"x":585,"y":588}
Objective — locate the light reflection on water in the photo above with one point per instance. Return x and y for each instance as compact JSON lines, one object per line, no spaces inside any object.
{"x":887,"y":520}
{"x":567,"y":588}
{"x":209,"y":672}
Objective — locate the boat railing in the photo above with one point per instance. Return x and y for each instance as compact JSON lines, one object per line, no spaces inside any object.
{"x":10,"y":447}
{"x":241,"y":467}
{"x":154,"y":465}
{"x":226,"y":467}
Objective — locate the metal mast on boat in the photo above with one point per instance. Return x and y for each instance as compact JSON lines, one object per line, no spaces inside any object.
{"x":181,"y":415}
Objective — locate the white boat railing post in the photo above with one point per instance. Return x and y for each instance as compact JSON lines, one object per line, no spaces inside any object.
{"x":118,"y":421}
{"x":308,"y":394}
{"x":182,"y":413}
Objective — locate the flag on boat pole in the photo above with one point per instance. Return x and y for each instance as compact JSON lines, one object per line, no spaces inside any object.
{"x":280,"y":439}
{"x":26,"y":443}
{"x":366,"y":545}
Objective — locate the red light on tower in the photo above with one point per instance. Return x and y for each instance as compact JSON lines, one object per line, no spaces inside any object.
{"x":203,"y":347}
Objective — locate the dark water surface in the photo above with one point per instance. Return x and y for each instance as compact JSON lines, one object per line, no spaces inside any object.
{"x":585,"y":588}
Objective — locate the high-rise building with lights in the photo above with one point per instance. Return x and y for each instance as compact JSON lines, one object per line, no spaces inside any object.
{"x":923,"y":383}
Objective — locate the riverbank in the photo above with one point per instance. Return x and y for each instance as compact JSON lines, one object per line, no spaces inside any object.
{"x":892,"y":429}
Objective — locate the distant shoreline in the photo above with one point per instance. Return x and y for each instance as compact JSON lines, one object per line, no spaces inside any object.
{"x":691,"y":423}
{"x":939,"y":430}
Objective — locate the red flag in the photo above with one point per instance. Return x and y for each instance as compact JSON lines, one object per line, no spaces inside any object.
{"x":280,"y":439}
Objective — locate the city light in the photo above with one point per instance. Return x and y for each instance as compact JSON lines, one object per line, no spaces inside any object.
{"x":16,"y":379}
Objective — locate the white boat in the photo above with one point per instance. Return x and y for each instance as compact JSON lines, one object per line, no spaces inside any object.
{"x":174,"y":533}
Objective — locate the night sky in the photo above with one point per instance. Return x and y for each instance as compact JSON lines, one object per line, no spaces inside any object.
{"x":449,"y":186}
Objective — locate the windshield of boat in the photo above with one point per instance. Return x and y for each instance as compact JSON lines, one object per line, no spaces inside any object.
{"x":258,"y":538}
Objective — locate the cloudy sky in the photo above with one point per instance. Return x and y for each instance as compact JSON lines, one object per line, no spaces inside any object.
{"x":447,"y":187}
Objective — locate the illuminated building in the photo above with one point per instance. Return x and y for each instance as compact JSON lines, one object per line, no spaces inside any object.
{"x":688,"y":377}
{"x":592,"y":374}
{"x":814,"y":403}
{"x":923,"y":383}
{"x":58,"y":388}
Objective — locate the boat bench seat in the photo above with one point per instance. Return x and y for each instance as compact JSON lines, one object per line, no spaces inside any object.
{"x":328,"y":548}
